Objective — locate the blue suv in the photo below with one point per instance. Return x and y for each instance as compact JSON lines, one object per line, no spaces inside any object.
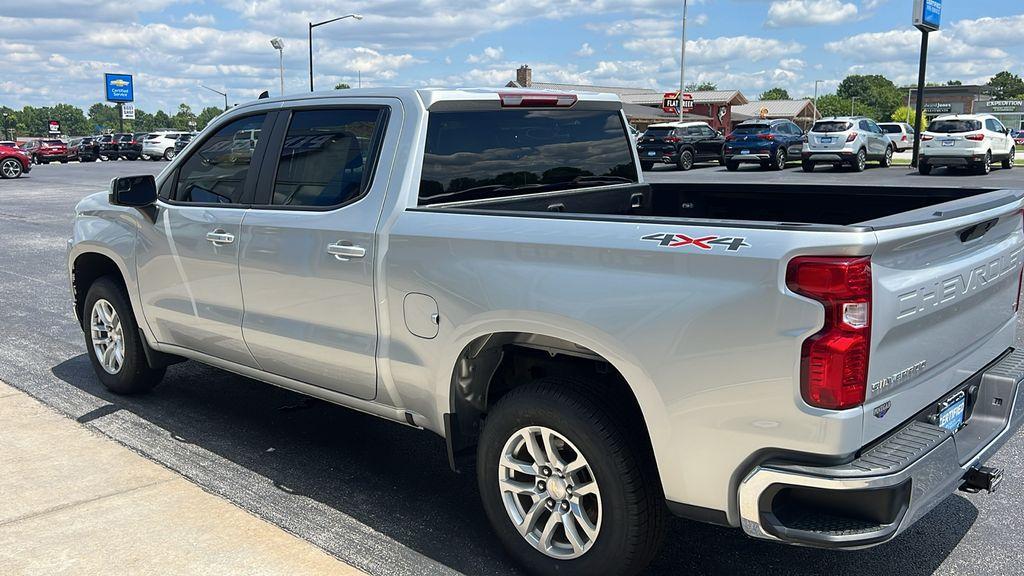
{"x":770,"y":143}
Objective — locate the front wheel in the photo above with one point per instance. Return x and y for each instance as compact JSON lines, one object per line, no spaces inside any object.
{"x":10,"y":168}
{"x":886,"y":160}
{"x":567,"y":488}
{"x":1008,"y":163}
{"x":114,"y":342}
{"x":169,"y":154}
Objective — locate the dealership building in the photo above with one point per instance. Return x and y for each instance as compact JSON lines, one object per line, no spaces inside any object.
{"x":969,"y":99}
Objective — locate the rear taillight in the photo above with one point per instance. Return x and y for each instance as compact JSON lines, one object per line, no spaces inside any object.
{"x":672,"y":139}
{"x":851,"y":137}
{"x":766,"y":136}
{"x":927,"y":137}
{"x":539,"y":100}
{"x":904,"y":139}
{"x":834,"y":362}
{"x":975,"y":137}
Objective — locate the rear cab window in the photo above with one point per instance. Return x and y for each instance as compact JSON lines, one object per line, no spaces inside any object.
{"x":751,"y":129}
{"x":831,"y":126}
{"x":488,"y":154}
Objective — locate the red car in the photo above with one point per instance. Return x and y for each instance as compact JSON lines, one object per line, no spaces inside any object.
{"x":46,"y":151}
{"x":13,"y":162}
{"x":1018,"y":137}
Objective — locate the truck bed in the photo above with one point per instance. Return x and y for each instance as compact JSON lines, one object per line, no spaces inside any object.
{"x":774,"y":205}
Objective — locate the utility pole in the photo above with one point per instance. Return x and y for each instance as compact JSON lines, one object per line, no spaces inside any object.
{"x":922,"y":70}
{"x":311,"y":26}
{"x":120,"y":117}
{"x":816,"y":115}
{"x":682,"y":62}
{"x":852,"y":100}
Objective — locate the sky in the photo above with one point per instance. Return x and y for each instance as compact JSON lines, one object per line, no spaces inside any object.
{"x":57,"y":50}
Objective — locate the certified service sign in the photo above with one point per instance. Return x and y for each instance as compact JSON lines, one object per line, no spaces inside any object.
{"x":928,"y":14}
{"x":119,"y":88}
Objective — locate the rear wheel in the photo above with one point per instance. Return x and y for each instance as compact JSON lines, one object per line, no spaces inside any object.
{"x":169,"y":154}
{"x":646,"y":166}
{"x":1008,"y":163}
{"x":685,"y":160}
{"x":732,"y":166}
{"x":10,"y":168}
{"x":985,"y":166}
{"x":860,"y":162}
{"x":886,"y":160}
{"x":924,"y":168}
{"x":807,"y":166}
{"x":565,"y":485}
{"x":114,"y":341}
{"x":778,"y":161}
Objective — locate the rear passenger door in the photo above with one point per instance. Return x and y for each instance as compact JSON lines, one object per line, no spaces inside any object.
{"x":308,"y":246}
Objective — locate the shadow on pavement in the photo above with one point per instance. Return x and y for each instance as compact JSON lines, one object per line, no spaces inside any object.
{"x":396,"y":480}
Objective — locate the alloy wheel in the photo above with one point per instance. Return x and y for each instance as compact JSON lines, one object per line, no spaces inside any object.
{"x":107,"y":336}
{"x":10,"y":168}
{"x":550,"y":492}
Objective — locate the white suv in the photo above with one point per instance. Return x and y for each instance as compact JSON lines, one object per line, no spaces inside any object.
{"x":846,"y":140}
{"x":966,"y":141}
{"x":160,"y":145}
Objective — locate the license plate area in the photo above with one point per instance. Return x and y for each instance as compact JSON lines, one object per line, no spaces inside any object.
{"x":951,"y":413}
{"x":949,"y":143}
{"x":826,"y":140}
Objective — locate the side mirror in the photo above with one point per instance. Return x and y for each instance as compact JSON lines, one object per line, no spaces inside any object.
{"x":133,"y":191}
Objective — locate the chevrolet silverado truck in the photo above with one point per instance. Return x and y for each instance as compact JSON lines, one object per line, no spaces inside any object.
{"x":817,"y":366}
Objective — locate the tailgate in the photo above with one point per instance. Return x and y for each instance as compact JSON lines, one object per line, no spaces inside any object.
{"x":944,"y":294}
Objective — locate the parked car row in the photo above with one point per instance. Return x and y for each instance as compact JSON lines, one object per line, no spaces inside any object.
{"x":972,"y":141}
{"x":162,"y":145}
{"x":13,"y":161}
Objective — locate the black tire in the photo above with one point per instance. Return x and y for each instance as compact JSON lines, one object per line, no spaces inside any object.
{"x":732,"y":166}
{"x":11,"y":168}
{"x":860,"y":161}
{"x":886,"y":160}
{"x":807,"y":166}
{"x":169,"y":154}
{"x":721,"y":160}
{"x":63,"y":161}
{"x":35,"y":160}
{"x":633,"y":511}
{"x":985,"y":166}
{"x":646,"y":166}
{"x":135,"y":376}
{"x":685,"y":161}
{"x":778,"y":161}
{"x":1008,"y":163}
{"x":924,"y":168}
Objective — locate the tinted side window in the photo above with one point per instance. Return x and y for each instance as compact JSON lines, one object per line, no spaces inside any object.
{"x":479,"y":154}
{"x":215,"y":173}
{"x":326,"y":157}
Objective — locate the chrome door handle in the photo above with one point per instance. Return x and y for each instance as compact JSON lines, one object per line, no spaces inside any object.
{"x":344,"y":252}
{"x":219,"y":237}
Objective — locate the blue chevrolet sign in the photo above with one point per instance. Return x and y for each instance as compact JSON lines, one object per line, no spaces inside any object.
{"x":928,"y":14}
{"x":119,"y":87}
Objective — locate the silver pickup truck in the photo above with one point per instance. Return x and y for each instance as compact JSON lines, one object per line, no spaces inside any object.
{"x":812,"y":365}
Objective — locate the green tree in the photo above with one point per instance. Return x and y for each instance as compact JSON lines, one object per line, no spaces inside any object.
{"x":208,"y":114}
{"x":906,"y":114}
{"x":72,"y":120}
{"x":700,"y":87}
{"x":775,"y":94}
{"x":835,"y":105}
{"x":954,"y":83}
{"x":1007,"y":85}
{"x":877,"y":94}
{"x":184,"y":119}
{"x":341,"y":86}
{"x":161,"y":121}
{"x":103,"y":117}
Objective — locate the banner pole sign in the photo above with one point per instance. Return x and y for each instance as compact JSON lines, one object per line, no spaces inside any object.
{"x":127,"y":111}
{"x":54,"y":127}
{"x":671,"y":102}
{"x":927,"y":18}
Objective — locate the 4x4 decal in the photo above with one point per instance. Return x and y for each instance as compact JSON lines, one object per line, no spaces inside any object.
{"x":731,"y":243}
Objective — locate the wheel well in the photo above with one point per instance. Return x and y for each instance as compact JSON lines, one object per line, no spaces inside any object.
{"x":87,"y":269}
{"x":492,"y":365}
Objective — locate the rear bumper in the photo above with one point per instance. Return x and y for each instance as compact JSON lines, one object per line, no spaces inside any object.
{"x":660,"y":156}
{"x":737,"y":156}
{"x":893,"y":483}
{"x":827,"y":157}
{"x":959,"y":160}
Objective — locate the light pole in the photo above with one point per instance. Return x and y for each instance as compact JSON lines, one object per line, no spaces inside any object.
{"x":852,"y":100}
{"x":311,"y":26}
{"x":682,"y":62}
{"x":224,"y":94}
{"x":816,"y":82}
{"x":279,"y":45}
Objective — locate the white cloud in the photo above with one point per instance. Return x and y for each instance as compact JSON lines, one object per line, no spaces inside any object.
{"x":490,"y":54}
{"x":199,"y":19}
{"x":786,"y":13}
{"x":585,"y":50}
{"x":872,"y":4}
{"x":792,"y":64}
{"x":720,"y":49}
{"x":989,"y":31}
{"x":895,"y":45}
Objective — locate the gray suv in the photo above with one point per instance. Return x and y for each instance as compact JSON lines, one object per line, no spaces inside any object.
{"x":846,"y":141}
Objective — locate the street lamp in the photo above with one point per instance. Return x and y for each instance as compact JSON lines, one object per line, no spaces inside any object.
{"x":682,"y":62}
{"x":816,"y":82}
{"x":311,"y":26}
{"x":224,"y":94}
{"x":279,"y":45}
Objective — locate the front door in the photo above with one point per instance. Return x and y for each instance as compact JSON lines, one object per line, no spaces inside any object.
{"x":308,"y":247}
{"x":188,"y":258}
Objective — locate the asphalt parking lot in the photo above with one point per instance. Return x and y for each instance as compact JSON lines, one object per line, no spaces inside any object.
{"x":378,"y":495}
